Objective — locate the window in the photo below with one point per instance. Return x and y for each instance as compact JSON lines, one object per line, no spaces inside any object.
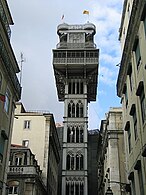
{"x":141,"y":94}
{"x":75,"y":134}
{"x":127,"y":128}
{"x":13,"y":190}
{"x":79,"y":162}
{"x":126,"y":95}
{"x":25,"y":143}
{"x":18,"y":160}
{"x":13,"y":187}
{"x":74,"y":162}
{"x":75,"y":110}
{"x":7,"y":101}
{"x":27,"y":124}
{"x":133,"y":113}
{"x":137,"y":52}
{"x":75,"y":87}
{"x":74,"y":187}
{"x":130,"y":76}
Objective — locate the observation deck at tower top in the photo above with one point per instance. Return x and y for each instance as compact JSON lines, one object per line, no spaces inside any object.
{"x":65,"y":32}
{"x":76,"y":57}
{"x":87,"y":26}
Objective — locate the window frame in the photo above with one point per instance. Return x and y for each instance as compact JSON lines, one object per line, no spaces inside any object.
{"x":7,"y":101}
{"x":26,"y":124}
{"x":134,"y":115}
{"x":25,"y":143}
{"x":136,"y":49}
{"x":142,"y":99}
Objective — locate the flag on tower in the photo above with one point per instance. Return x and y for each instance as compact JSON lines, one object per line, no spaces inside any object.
{"x":86,"y":12}
{"x":62,"y":17}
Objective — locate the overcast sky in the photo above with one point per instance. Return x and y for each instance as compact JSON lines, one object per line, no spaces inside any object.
{"x":34,"y":34}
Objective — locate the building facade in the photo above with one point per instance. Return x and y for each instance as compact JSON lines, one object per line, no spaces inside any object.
{"x":111,"y":157}
{"x":10,"y":90}
{"x":131,"y":88}
{"x":60,"y":129}
{"x":75,"y":62}
{"x":24,"y":174}
{"x":93,"y":149}
{"x":37,"y":131}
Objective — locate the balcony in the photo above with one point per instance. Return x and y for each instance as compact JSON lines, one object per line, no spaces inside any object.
{"x":87,"y":26}
{"x":65,"y":45}
{"x":75,"y":60}
{"x":22,"y":170}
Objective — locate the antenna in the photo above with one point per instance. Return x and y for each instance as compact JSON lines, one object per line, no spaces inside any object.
{"x":21,"y":65}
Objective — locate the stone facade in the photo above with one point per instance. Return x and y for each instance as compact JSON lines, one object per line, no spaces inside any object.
{"x":111,"y":158}
{"x":10,"y":90}
{"x":24,"y":174}
{"x":131,"y":88}
{"x":93,"y":149}
{"x":37,"y":131}
{"x":75,"y":63}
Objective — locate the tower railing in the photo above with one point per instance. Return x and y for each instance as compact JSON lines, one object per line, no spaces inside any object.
{"x":75,"y":60}
{"x":65,"y":45}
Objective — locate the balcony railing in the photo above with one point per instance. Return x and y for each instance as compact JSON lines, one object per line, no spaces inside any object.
{"x":65,"y":45}
{"x":8,"y":64}
{"x":22,"y":170}
{"x":75,"y":60}
{"x":65,"y":26}
{"x":4,"y":20}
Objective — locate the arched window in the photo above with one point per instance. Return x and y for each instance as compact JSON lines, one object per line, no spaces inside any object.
{"x":77,"y":162}
{"x":68,"y":134}
{"x":72,"y":189}
{"x":81,"y":135}
{"x":18,"y":159}
{"x":77,"y":135}
{"x":81,"y":110}
{"x":68,"y":162}
{"x":67,"y":188}
{"x":77,"y":110}
{"x":81,"y":189}
{"x":69,"y":110}
{"x":81,"y":162}
{"x":77,"y":188}
{"x":72,"y":162}
{"x":73,"y":110}
{"x":72,"y":135}
{"x":74,"y":186}
{"x":13,"y":187}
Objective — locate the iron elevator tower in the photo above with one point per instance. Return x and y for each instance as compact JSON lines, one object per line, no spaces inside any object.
{"x":75,"y":63}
